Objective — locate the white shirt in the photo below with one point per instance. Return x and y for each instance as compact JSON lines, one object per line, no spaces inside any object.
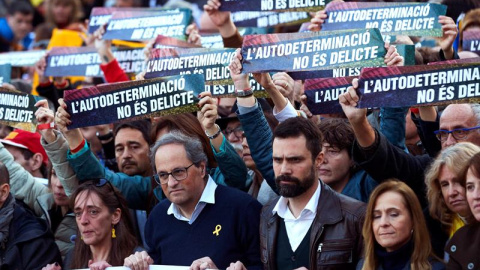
{"x":208,"y":196}
{"x":297,"y":228}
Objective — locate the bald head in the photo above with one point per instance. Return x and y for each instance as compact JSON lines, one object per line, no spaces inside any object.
{"x":457,"y":116}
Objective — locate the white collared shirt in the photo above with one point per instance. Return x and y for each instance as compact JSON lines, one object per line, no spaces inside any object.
{"x":208,"y":196}
{"x":297,"y":228}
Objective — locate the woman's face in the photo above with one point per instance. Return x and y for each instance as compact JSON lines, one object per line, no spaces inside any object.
{"x":453,"y":192}
{"x":473,"y":193}
{"x":59,"y":195}
{"x":62,"y":12}
{"x":94,"y":220}
{"x":392,"y":223}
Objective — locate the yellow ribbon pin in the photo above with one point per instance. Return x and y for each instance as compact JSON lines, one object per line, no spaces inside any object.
{"x":218,"y":228}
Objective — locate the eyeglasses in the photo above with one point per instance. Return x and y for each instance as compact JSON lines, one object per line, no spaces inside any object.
{"x":178,"y":174}
{"x":238,"y":132}
{"x":458,"y":133}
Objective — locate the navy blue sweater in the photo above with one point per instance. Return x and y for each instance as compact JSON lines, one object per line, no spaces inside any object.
{"x":175,"y":242}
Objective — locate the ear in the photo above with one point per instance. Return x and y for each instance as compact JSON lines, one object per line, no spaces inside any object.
{"x":203,"y":168}
{"x":116,"y":216}
{"x":36,"y":161}
{"x":4,"y":192}
{"x":319,"y":159}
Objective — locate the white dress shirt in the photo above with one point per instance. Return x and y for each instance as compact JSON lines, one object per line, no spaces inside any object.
{"x":297,"y":228}
{"x":208,"y":196}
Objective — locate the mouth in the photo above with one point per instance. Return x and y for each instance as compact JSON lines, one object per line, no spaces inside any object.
{"x":175,"y":191}
{"x":323,"y":171}
{"x":60,"y":195}
{"x":456,"y":202}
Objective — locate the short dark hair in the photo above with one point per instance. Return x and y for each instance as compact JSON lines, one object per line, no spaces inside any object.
{"x":297,"y":126}
{"x":20,"y":6}
{"x":144,"y":126}
{"x":4,"y":175}
{"x":338,"y":133}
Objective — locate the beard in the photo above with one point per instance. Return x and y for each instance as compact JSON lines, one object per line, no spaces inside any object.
{"x":295,"y":187}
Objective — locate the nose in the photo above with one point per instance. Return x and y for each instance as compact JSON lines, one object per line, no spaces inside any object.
{"x":126,"y":153}
{"x":285,"y":169}
{"x":232,"y":138}
{"x":244,"y":143}
{"x":450,"y":140}
{"x":84,"y":218}
{"x":476,"y":193}
{"x":452,"y":190}
{"x":384,"y":221}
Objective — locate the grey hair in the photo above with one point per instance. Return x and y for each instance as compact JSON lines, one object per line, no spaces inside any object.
{"x":192,"y":145}
{"x":476,"y":111}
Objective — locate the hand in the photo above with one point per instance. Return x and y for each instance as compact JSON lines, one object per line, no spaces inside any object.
{"x":304,"y":108}
{"x":147,"y":51}
{"x":317,"y":21}
{"x":239,"y":80}
{"x":193,"y":35}
{"x":349,"y":101}
{"x":103,"y":46}
{"x":62,"y":117}
{"x":138,"y":261}
{"x":301,"y":268}
{"x":284,"y":84}
{"x":40,"y":67}
{"x":45,"y":116}
{"x":53,"y":266}
{"x":140,"y":76}
{"x":87,"y":38}
{"x":237,"y":266}
{"x":392,"y":57}
{"x":202,"y":264}
{"x":219,"y":18}
{"x":449,"y":29}
{"x":208,"y":114}
{"x":102,"y":265}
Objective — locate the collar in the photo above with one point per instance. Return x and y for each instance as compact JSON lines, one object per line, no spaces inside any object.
{"x":281,"y":208}
{"x":208,"y":196}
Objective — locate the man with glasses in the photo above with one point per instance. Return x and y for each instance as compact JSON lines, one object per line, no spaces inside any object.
{"x":202,"y":224}
{"x":382,"y":160}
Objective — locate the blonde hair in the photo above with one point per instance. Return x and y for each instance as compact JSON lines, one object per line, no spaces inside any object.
{"x":422,"y":248}
{"x":455,"y":158}
{"x":77,"y":11}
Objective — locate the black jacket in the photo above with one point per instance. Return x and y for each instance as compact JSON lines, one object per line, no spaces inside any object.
{"x":336,"y":234}
{"x":30,"y":243}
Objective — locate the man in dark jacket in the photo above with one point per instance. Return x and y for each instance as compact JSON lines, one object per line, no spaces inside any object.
{"x":310,"y":225}
{"x":25,"y":240}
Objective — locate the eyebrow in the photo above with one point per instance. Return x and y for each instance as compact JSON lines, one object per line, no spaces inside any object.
{"x":128,"y":143}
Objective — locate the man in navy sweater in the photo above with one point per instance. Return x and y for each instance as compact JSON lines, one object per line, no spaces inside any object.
{"x":201,"y":224}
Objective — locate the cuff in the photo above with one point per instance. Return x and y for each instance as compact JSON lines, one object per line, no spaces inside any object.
{"x":222,"y":147}
{"x":287,"y":112}
{"x":79,"y":153}
{"x":245,"y":110}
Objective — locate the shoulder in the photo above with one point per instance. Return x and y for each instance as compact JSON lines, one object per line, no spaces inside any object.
{"x":349,"y":206}
{"x":235,"y":197}
{"x":25,"y":225}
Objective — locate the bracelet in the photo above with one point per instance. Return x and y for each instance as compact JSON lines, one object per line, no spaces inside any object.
{"x":105,"y":137}
{"x":244,"y":93}
{"x":78,"y":148}
{"x":46,"y":126}
{"x":211,"y":137}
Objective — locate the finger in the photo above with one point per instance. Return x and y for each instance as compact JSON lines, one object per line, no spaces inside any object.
{"x":42,"y":103}
{"x":355,"y":83}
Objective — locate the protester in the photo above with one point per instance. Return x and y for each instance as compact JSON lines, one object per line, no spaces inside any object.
{"x":27,"y":243}
{"x":462,"y":248}
{"x":64,"y":14}
{"x":104,"y":235}
{"x":16,"y":27}
{"x":395,"y":232}
{"x":180,"y":228}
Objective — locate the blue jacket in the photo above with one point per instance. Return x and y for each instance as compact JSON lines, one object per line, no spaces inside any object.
{"x":6,"y":34}
{"x":137,"y":188}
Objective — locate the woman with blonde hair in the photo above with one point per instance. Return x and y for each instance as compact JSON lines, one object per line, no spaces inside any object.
{"x":395,"y":233}
{"x":64,"y":14}
{"x":448,"y":206}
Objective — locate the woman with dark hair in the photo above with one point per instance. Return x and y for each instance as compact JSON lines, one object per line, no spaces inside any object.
{"x":104,"y":234}
{"x":395,"y":233}
{"x":463,"y":247}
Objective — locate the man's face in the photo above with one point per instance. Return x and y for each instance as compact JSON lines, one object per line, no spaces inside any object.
{"x":17,"y":154}
{"x":131,"y":152}
{"x":335,"y":168}
{"x":459,"y":116}
{"x":184,"y":193}
{"x":294,"y":167}
{"x":234,"y":134}
{"x":21,"y":24}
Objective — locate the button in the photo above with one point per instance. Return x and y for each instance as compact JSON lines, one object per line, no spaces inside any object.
{"x":293,"y":258}
{"x":453,"y":248}
{"x":470,"y":266}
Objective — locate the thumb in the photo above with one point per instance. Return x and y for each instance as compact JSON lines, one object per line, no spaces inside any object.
{"x":90,"y":262}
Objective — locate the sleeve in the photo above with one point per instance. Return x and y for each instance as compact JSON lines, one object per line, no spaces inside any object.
{"x":231,"y":166}
{"x":426,"y":131}
{"x":39,"y":252}
{"x":113,"y":72}
{"x":259,"y":138}
{"x":57,"y":154}
{"x":442,"y":55}
{"x":234,"y":41}
{"x":22,"y":184}
{"x":392,"y":125}
{"x":85,"y":164}
{"x":287,"y":112}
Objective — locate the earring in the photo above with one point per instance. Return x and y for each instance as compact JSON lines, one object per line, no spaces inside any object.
{"x":113,"y":233}
{"x":411,"y":232}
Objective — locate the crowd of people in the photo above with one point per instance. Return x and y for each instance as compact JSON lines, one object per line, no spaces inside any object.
{"x":245,"y":182}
